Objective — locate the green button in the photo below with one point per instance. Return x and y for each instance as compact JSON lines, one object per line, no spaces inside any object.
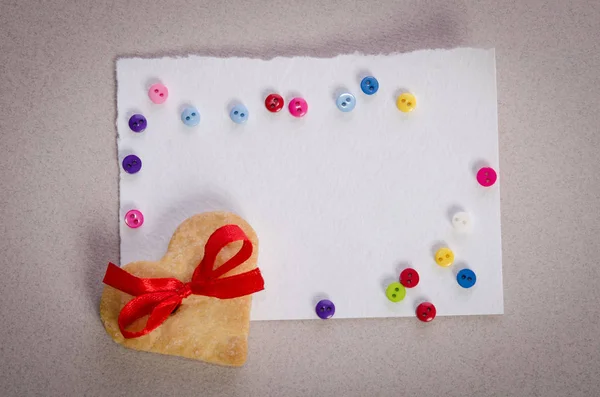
{"x":395,"y":292}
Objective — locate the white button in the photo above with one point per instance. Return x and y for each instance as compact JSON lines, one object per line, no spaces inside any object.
{"x":462,"y":222}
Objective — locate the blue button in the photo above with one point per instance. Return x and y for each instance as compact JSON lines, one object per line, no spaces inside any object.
{"x":239,"y":114}
{"x":346,"y":102}
{"x":190,"y":117}
{"x":466,"y":278}
{"x":369,"y":85}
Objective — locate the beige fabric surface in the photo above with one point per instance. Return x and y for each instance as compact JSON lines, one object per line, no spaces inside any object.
{"x":59,"y":208}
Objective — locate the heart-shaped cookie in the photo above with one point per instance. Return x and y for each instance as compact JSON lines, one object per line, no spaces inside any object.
{"x":200,"y":327}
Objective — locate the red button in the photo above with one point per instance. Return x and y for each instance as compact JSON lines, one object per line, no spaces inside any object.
{"x":409,"y":278}
{"x":274,"y":103}
{"x":426,"y":312}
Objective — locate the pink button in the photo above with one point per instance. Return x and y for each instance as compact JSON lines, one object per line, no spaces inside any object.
{"x":298,"y":107}
{"x":134,"y":219}
{"x":486,"y":176}
{"x":158,"y":93}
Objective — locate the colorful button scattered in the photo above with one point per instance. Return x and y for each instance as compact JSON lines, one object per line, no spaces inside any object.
{"x":395,"y":292}
{"x":346,"y":102}
{"x":461,"y":221}
{"x":406,"y":102}
{"x":137,"y":123}
{"x":466,"y":278}
{"x":369,"y":85}
{"x":298,"y":107}
{"x":239,"y":114}
{"x":134,"y":219}
{"x":158,"y":93}
{"x":325,"y":309}
{"x":444,"y":257}
{"x":409,"y":278}
{"x":190,"y":116}
{"x":274,"y":103}
{"x":486,"y":176}
{"x":132,"y":164}
{"x":426,"y":312}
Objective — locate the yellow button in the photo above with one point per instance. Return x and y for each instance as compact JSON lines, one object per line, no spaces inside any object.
{"x":406,"y":102}
{"x":444,"y":257}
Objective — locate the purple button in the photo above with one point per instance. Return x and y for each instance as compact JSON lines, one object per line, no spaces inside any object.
{"x":137,"y":123}
{"x":325,"y":309}
{"x":132,"y":164}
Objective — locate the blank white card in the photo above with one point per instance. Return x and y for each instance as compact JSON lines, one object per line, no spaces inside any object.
{"x":341,"y":202}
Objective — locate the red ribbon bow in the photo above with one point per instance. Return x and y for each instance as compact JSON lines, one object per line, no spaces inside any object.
{"x":158,"y":297}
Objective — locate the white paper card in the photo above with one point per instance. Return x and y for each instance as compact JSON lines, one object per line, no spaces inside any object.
{"x":341,"y":202}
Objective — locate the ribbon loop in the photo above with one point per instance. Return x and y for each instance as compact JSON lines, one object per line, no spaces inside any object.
{"x":158,"y":297}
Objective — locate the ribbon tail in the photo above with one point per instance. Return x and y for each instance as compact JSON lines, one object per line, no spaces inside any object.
{"x":158,"y":305}
{"x":232,"y":287}
{"x":124,"y":281}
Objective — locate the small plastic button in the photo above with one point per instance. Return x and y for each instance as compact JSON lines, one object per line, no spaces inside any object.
{"x":158,"y":93}
{"x":134,"y":219}
{"x":346,"y":102}
{"x":406,"y":102}
{"x":138,"y":123}
{"x":486,"y":176}
{"x":395,"y":292}
{"x":239,"y":114}
{"x":444,"y":257}
{"x":409,"y":278}
{"x":466,"y":278}
{"x":298,"y":107}
{"x":425,"y":312}
{"x":325,"y":309}
{"x":461,"y":221}
{"x":274,"y":103}
{"x":132,"y":164}
{"x":190,"y":116}
{"x":369,"y":85}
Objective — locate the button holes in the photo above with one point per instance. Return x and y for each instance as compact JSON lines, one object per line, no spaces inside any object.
{"x":348,"y":99}
{"x":272,"y":106}
{"x":397,"y":289}
{"x":194,"y":114}
{"x":322,"y":308}
{"x":297,"y":103}
{"x":329,"y":309}
{"x":424,"y":314}
{"x":487,"y":181}
{"x":128,"y":165}
{"x":447,"y":256}
{"x":275,"y":100}
{"x":469,"y":278}
{"x":428,"y":309}
{"x":135,"y":221}
{"x":156,"y":91}
{"x":440,"y":259}
{"x":403,"y":100}
{"x":161,"y":94}
{"x":393,"y":295}
{"x":242,"y":115}
{"x":463,"y":276}
{"x":408,"y":281}
{"x":371,"y":88}
{"x":187,"y":118}
{"x":134,"y":162}
{"x":408,"y":103}
{"x":368,"y":82}
{"x":235,"y":112}
{"x":343,"y":104}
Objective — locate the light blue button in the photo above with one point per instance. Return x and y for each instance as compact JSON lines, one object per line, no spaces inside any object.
{"x":346,"y":102}
{"x":239,"y":114}
{"x":190,"y":117}
{"x":369,"y":85}
{"x":466,"y":278}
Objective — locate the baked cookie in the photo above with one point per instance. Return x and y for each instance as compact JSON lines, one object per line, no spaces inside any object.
{"x":195,"y":301}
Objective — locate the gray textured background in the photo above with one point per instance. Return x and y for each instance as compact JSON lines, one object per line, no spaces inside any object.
{"x":58,"y":191}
